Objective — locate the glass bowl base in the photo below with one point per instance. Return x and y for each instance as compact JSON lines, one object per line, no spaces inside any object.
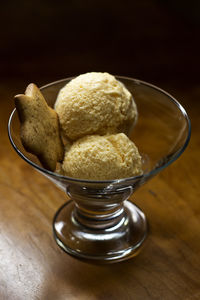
{"x":113,"y":244}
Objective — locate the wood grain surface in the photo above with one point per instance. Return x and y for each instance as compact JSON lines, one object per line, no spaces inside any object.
{"x":33,"y":267}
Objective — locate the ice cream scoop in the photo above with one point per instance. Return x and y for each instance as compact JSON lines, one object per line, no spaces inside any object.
{"x":106,"y":157}
{"x":95,"y":103}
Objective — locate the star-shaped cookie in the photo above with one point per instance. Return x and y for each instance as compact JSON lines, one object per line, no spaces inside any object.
{"x":40,"y":134}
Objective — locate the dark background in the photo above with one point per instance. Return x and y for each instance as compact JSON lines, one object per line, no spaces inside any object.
{"x":156,"y":41}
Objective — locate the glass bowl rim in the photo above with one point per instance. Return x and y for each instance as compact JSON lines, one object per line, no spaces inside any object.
{"x":121,"y":180}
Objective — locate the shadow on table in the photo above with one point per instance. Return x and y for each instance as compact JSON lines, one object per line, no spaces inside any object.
{"x":75,"y":279}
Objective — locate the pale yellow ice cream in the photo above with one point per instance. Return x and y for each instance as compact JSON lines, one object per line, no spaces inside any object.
{"x":106,"y":157}
{"x":95,"y":103}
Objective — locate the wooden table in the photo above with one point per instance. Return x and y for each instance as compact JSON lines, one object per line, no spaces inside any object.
{"x":33,"y":267}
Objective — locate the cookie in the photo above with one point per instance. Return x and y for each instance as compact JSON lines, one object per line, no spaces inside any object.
{"x":40,"y":134}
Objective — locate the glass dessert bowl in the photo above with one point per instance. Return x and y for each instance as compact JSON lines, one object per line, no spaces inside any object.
{"x":99,"y":223}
